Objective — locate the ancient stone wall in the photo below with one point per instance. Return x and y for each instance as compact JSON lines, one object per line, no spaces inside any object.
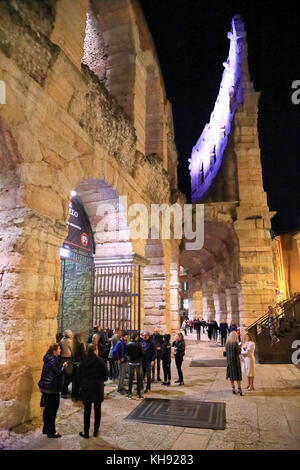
{"x":59,"y":127}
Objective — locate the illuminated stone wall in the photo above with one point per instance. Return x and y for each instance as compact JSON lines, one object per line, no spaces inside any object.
{"x":60,"y":126}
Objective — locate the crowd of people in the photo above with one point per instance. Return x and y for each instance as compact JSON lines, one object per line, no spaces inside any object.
{"x":214,"y":331}
{"x":71,"y":361}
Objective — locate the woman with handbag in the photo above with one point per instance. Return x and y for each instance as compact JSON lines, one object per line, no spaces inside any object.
{"x":50,"y":386}
{"x":233,"y":352}
{"x":248,"y":360}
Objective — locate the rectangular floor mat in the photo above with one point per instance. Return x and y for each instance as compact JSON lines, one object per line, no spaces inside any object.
{"x":209,"y":363}
{"x":183,"y":413}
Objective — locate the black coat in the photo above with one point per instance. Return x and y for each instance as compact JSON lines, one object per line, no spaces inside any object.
{"x":52,"y":375}
{"x":197,"y":325}
{"x":180,"y":349}
{"x":166,"y":352}
{"x":157,"y":341}
{"x":134,"y":352}
{"x":233,"y":361}
{"x":92,"y":374}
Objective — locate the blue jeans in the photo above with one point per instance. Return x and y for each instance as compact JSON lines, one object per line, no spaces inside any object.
{"x":138,"y":368}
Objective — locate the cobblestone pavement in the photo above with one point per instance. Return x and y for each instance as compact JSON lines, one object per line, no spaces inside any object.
{"x":267,"y":418}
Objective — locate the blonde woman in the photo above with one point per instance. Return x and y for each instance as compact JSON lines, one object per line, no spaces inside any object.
{"x":233,"y":351}
{"x":248,"y":360}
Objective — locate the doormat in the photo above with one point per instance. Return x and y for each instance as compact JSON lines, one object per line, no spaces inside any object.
{"x":183,"y":413}
{"x":209,"y":363}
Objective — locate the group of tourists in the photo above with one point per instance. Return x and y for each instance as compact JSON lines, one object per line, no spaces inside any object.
{"x":85,"y":366}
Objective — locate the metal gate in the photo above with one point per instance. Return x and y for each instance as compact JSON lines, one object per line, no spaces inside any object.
{"x":117,"y":297}
{"x":75,"y":305}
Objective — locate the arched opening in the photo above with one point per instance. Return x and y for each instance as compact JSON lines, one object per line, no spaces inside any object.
{"x":100,"y":274}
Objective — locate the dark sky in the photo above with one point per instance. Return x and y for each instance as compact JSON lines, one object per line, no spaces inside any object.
{"x":191,"y":41}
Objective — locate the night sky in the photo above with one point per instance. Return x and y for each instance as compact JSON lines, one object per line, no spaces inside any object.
{"x":191,"y":42}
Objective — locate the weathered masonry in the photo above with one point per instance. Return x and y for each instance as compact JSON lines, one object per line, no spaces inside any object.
{"x":86,"y":111}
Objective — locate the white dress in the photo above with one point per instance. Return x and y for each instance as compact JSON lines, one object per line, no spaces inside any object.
{"x":248,"y":359}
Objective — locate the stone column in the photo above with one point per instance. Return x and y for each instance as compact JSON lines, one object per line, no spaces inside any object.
{"x":220,"y":305}
{"x":232,"y":305}
{"x":208,"y":301}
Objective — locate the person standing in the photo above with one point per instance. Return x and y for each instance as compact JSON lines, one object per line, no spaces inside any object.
{"x":157,"y":340}
{"x":223,"y":329}
{"x":197,"y":327}
{"x":119,"y":354}
{"x":209,"y":329}
{"x":233,"y":350}
{"x":134,"y":352}
{"x":148,"y":358}
{"x":179,"y":351}
{"x":215,"y":329}
{"x":166,"y":359}
{"x":248,"y":360}
{"x":50,"y":385}
{"x":113,"y":365}
{"x":79,"y":353}
{"x":92,"y":375}
{"x":67,"y":354}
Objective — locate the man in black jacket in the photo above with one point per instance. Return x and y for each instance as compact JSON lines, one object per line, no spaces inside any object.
{"x":148,"y":357}
{"x":157,"y":341}
{"x":134,"y":353}
{"x":223,"y":329}
{"x":197,"y":327}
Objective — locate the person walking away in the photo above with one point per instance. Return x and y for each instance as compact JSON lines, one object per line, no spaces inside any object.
{"x":224,"y":330}
{"x":233,"y":350}
{"x":113,"y":365}
{"x":191,"y":325}
{"x":92,"y":375}
{"x":197,"y":327}
{"x":166,"y":359}
{"x":204,"y":325}
{"x":209,"y":329}
{"x":157,"y":340}
{"x":50,"y":385}
{"x":148,"y":358}
{"x":119,"y":354}
{"x":134,"y":353}
{"x":67,"y":354}
{"x":179,"y":351}
{"x":215,"y":328}
{"x":248,"y":360}
{"x":79,"y":353}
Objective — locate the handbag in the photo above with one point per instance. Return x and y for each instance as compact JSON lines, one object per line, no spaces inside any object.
{"x":224,"y":353}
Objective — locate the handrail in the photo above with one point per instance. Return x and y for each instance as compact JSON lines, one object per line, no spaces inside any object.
{"x":286,"y":309}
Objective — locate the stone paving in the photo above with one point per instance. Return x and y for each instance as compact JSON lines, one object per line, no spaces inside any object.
{"x":265,"y":419}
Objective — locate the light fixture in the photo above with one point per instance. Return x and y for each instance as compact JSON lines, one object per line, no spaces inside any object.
{"x":73,"y":193}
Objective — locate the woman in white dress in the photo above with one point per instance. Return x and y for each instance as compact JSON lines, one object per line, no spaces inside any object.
{"x":248,"y":360}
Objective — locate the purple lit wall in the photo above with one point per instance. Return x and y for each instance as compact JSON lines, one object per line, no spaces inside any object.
{"x":208,"y":152}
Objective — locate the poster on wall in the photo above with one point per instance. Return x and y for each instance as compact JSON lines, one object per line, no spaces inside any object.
{"x":80,"y":233}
